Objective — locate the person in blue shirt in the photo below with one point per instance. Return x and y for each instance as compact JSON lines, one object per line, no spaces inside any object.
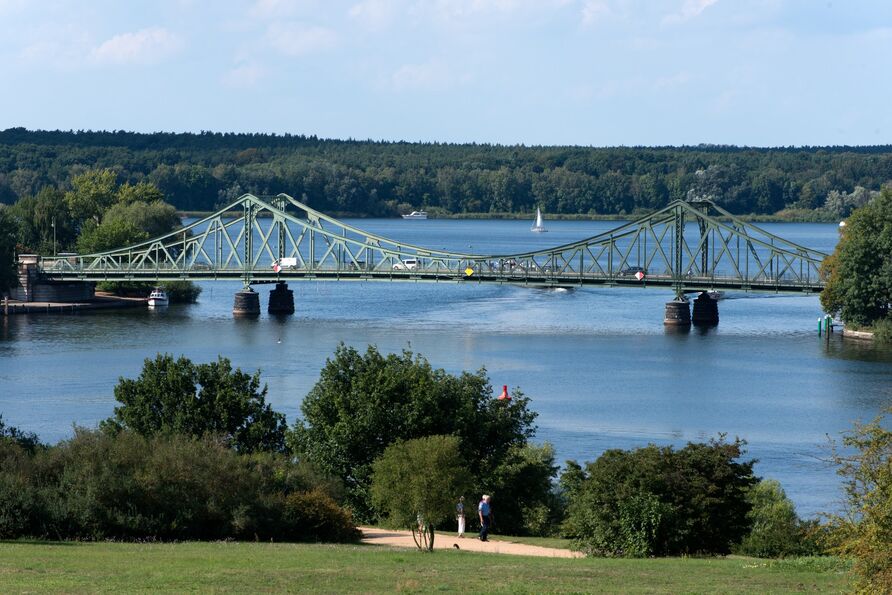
{"x":484,"y":510}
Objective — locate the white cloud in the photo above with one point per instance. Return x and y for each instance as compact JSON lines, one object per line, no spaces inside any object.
{"x":689,"y":10}
{"x":467,"y":10}
{"x":429,"y":75}
{"x":146,"y":46}
{"x":58,"y":46}
{"x":374,"y":14}
{"x":266,"y":9}
{"x":674,"y":80}
{"x":244,"y":76}
{"x":594,"y":10}
{"x":296,"y":39}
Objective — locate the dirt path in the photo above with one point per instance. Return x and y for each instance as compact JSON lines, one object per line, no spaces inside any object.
{"x":445,"y":541}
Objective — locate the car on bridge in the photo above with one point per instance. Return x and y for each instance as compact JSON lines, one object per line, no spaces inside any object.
{"x":632,"y":271}
{"x":406,"y":264}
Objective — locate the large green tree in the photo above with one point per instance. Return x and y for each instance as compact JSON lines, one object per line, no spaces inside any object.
{"x":177,"y":396}
{"x":362,"y":403}
{"x":9,"y":231}
{"x":91,"y":193}
{"x":45,"y":223}
{"x":859,"y":272}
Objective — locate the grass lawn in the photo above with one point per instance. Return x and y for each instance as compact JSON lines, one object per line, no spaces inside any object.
{"x":263,"y":567}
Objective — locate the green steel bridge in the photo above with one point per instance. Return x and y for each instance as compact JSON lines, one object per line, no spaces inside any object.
{"x":686,"y":246}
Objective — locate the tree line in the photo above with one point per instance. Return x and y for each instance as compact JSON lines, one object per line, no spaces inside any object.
{"x":204,"y":171}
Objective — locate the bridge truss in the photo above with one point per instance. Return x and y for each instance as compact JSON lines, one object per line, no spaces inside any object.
{"x":687,"y":246}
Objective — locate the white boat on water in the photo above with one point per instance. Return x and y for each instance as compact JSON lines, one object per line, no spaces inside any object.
{"x":158,"y":298}
{"x":416,"y":215}
{"x":538,"y":226}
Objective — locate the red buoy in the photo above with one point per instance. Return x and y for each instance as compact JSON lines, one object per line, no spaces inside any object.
{"x":504,"y":396}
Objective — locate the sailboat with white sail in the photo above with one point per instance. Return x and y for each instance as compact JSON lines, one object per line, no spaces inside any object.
{"x":538,"y":226}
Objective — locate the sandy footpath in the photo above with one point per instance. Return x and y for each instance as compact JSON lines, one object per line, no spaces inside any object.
{"x":445,"y":541}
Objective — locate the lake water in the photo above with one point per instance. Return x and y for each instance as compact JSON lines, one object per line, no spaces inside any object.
{"x":598,"y":364}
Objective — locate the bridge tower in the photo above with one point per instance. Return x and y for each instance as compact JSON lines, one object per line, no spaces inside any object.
{"x":247,"y":302}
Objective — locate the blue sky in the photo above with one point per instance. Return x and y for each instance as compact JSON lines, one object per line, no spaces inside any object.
{"x":587,"y":72}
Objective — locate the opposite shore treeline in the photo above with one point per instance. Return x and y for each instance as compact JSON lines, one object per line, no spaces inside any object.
{"x":200,"y":172}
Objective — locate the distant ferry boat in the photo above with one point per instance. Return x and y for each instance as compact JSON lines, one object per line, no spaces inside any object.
{"x":416,"y":215}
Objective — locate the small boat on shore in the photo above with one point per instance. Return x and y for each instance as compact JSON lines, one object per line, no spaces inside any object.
{"x":416,"y":215}
{"x":158,"y":298}
{"x":539,"y":225}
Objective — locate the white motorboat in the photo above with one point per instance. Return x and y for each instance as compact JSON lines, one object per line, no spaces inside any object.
{"x":158,"y":298}
{"x":538,"y":226}
{"x":416,"y":215}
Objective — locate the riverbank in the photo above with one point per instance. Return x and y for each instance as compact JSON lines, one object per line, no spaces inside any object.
{"x":101,"y":301}
{"x":780,"y":217}
{"x":287,"y":567}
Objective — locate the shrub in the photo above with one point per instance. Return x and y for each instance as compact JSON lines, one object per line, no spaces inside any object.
{"x":17,"y":498}
{"x":523,"y":497}
{"x":101,"y":485}
{"x":864,"y":532}
{"x":777,"y":531}
{"x":659,"y":501}
{"x":315,"y":516}
{"x":882,"y":330}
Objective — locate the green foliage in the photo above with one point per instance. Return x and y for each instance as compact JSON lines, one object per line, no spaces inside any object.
{"x":777,"y":531}
{"x":200,"y":171}
{"x":315,"y":516}
{"x":181,"y":292}
{"x":522,"y":492}
{"x":882,"y":330}
{"x":9,"y":231}
{"x":420,"y":478}
{"x":660,"y":501}
{"x":109,"y":235}
{"x":45,"y":223}
{"x":362,"y":403}
{"x":142,"y":192}
{"x":126,"y":486}
{"x":859,"y":272}
{"x":177,"y":396}
{"x":91,"y":194}
{"x":864,"y":531}
{"x":12,"y":435}
{"x":153,"y":218}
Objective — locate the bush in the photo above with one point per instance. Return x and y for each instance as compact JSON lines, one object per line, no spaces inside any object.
{"x":524,"y":501}
{"x":882,"y":330}
{"x":659,"y":501}
{"x":777,"y":531}
{"x":315,"y":516}
{"x":17,"y":497}
{"x":864,"y":532}
{"x":126,"y":486}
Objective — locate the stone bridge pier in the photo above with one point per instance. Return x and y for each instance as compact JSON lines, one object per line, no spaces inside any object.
{"x":706,"y":311}
{"x":34,"y":288}
{"x":247,"y":302}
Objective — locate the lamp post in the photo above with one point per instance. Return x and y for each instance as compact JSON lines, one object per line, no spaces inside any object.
{"x":54,"y":235}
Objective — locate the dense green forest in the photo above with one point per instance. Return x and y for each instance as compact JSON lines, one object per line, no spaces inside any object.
{"x":207,"y":170}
